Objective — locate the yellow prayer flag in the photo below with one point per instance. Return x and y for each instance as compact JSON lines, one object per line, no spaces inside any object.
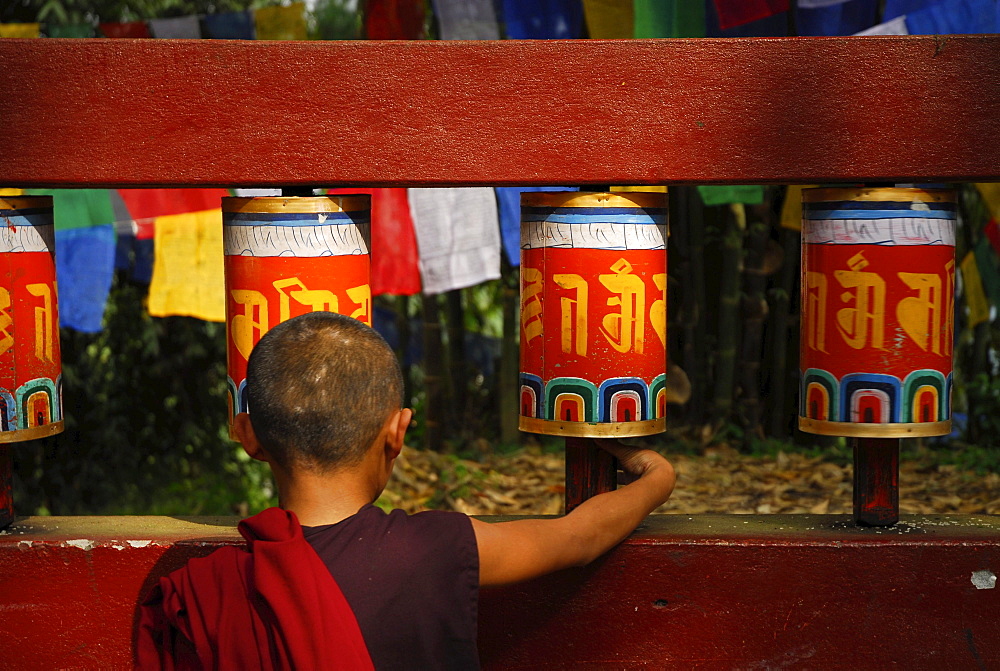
{"x":19,"y":30}
{"x":11,"y":192}
{"x":791,"y":209}
{"x":281,"y":23}
{"x":991,"y":196}
{"x":609,"y":19}
{"x":188,"y":277}
{"x":975,"y":298}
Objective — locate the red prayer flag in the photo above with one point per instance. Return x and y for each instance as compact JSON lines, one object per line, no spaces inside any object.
{"x":992,"y":231}
{"x":395,"y":19}
{"x":395,"y":268}
{"x":134,"y":29}
{"x":734,"y":13}
{"x":152,"y":203}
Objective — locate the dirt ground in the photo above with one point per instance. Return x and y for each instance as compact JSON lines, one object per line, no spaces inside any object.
{"x":722,"y":481}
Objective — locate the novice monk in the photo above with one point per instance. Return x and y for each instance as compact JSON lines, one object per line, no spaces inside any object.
{"x":324,"y":393}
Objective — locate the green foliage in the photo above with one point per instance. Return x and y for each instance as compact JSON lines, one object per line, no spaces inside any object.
{"x":145,"y":423}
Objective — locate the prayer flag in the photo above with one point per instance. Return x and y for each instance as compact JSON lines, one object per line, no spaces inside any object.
{"x":178,"y":27}
{"x":85,"y":259}
{"x":467,"y":20}
{"x":11,"y":192}
{"x":394,"y":19}
{"x":733,"y":13}
{"x":842,"y":18}
{"x":609,"y":19}
{"x":134,"y":29}
{"x":724,"y":195}
{"x":791,"y":209}
{"x":85,"y":254}
{"x":975,"y":299}
{"x":19,"y":30}
{"x":458,"y":236}
{"x":543,"y":19}
{"x":954,"y":17}
{"x":775,"y":25}
{"x":669,"y":18}
{"x":897,"y":8}
{"x":281,"y":23}
{"x":151,"y":203}
{"x":816,"y":4}
{"x":395,"y":266}
{"x":77,"y":30}
{"x":992,"y":232}
{"x":990,"y":193}
{"x":896,"y":26}
{"x":229,"y":26}
{"x":188,"y":275}
{"x":509,"y":210}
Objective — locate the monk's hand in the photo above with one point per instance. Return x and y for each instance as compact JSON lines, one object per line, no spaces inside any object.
{"x":636,"y":462}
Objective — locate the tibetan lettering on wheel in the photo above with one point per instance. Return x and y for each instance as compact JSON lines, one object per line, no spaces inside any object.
{"x":593,"y":313}
{"x":878,"y":279}
{"x":30,"y":365}
{"x":286,"y":257}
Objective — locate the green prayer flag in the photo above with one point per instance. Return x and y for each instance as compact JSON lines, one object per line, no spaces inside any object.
{"x":79,"y":208}
{"x":79,"y":30}
{"x":989,"y":269}
{"x":669,"y":18}
{"x":724,"y":195}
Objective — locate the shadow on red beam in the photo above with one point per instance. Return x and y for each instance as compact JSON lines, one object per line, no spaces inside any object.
{"x":719,"y":591}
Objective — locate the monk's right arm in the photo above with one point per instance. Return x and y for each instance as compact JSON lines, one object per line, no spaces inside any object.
{"x":524,"y":549}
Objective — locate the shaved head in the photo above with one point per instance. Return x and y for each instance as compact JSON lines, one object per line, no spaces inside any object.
{"x":319,"y":389}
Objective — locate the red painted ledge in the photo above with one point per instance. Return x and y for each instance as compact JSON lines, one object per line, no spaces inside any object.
{"x":709,"y":591}
{"x":120,"y":113}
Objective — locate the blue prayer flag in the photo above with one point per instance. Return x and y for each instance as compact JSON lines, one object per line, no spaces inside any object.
{"x":543,"y":19}
{"x":509,"y":209}
{"x":85,"y":259}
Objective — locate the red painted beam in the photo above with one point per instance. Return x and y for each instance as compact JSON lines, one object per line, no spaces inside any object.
{"x":713,"y":591}
{"x":209,"y":112}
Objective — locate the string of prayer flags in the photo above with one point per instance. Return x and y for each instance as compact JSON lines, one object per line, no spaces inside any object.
{"x":725,"y":195}
{"x":148,"y":204}
{"x":133,"y":254}
{"x":281,"y":22}
{"x":975,"y":298}
{"x":85,"y":254}
{"x":188,"y":277}
{"x":733,"y":13}
{"x":466,"y":20}
{"x":953,"y":17}
{"x":394,"y":19}
{"x":791,"y":209}
{"x":543,"y":19}
{"x":458,"y":236}
{"x":395,"y":267}
{"x":609,"y":19}
{"x":21,"y":30}
{"x":134,"y":29}
{"x":178,"y":27}
{"x":230,"y":26}
{"x":509,"y":210}
{"x":669,"y":18}
{"x":840,"y":18}
{"x":72,"y":30}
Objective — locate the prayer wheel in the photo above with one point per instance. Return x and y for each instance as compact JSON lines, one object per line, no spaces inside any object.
{"x":286,"y":256}
{"x":30,"y":363}
{"x":878,"y":279}
{"x":593,"y":314}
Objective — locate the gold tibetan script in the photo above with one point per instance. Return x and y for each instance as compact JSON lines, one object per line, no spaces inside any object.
{"x":569,"y":325}
{"x":44,"y":321}
{"x":815,"y":292}
{"x":244,"y":329}
{"x":864,"y":324}
{"x":625,"y":329}
{"x":927,"y":317}
{"x":658,"y":310}
{"x":531,"y":303}
{"x":6,"y":321}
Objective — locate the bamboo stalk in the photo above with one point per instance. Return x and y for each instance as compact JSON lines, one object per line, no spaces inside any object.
{"x":729,"y":298}
{"x":457,"y":366}
{"x":434,"y":407}
{"x":781,"y":308}
{"x":507,"y":374}
{"x":754,"y":310}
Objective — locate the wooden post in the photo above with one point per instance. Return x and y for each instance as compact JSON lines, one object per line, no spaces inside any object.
{"x":876,"y":481}
{"x":589,"y":471}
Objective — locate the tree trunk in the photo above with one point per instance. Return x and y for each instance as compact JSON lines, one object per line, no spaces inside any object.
{"x":754,"y":311}
{"x":509,"y":367}
{"x":688,"y":238}
{"x":457,"y":365}
{"x":434,"y":407}
{"x":729,"y":299}
{"x":403,"y":351}
{"x":783,"y":305}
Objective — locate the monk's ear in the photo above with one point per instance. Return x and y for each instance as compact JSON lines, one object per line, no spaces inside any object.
{"x":248,"y":438}
{"x":397,"y":424}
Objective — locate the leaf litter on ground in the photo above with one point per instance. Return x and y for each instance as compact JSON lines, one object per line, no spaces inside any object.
{"x":722,"y":480}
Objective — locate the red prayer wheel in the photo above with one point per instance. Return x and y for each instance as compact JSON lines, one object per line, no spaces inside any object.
{"x":286,"y":256}
{"x":878,"y":280}
{"x":30,"y":363}
{"x":593,"y":313}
